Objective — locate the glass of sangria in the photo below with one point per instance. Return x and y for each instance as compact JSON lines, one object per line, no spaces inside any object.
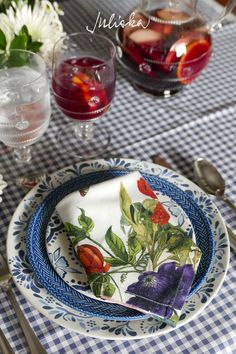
{"x":25,"y":107}
{"x":165,"y":46}
{"x":83,"y":83}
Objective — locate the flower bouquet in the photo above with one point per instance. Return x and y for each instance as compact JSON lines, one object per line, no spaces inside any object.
{"x":32,"y":25}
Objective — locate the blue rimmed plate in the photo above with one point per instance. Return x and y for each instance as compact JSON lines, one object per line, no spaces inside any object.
{"x":77,"y":300}
{"x":47,"y":304}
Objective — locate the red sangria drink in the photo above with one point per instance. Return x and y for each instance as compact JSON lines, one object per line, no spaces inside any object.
{"x":83,"y":84}
{"x":83,"y":87}
{"x":164,"y":49}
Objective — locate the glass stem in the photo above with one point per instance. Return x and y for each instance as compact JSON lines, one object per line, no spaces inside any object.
{"x":22,"y":154}
{"x":84,"y":130}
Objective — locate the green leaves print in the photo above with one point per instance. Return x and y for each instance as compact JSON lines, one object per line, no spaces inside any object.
{"x":76,"y":233}
{"x":148,"y":239}
{"x":123,"y":255}
{"x":154,"y":238}
{"x":101,"y":285}
{"x":116,"y":245}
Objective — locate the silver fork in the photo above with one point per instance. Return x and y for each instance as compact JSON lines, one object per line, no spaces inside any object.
{"x":33,"y":342}
{"x":4,"y":344}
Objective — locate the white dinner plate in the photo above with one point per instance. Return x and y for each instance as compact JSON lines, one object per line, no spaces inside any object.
{"x":74,"y":320}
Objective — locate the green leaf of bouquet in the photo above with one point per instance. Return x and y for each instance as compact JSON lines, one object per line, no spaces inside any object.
{"x":161,"y":237}
{"x":85,"y":221}
{"x":75,"y":231}
{"x":142,"y":213}
{"x":123,"y":277}
{"x":108,"y":290}
{"x":132,"y":214}
{"x":140,"y":208}
{"x":150,"y":204}
{"x":125,"y":202}
{"x":96,"y":288}
{"x":31,"y":3}
{"x":144,"y":227}
{"x":181,"y":245}
{"x":2,"y":58}
{"x":115,"y":262}
{"x":3,"y":41}
{"x":97,"y":282}
{"x":174,"y":317}
{"x":19,"y":42}
{"x":178,"y":239}
{"x":196,"y":257}
{"x":134,"y":247}
{"x":34,"y":46}
{"x":24,"y":30}
{"x":142,"y":263}
{"x":116,"y":245}
{"x":123,"y":223}
{"x":184,"y":256}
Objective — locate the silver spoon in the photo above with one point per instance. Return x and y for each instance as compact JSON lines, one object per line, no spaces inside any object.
{"x":211,"y":181}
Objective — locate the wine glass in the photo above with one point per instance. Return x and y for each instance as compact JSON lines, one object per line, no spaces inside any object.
{"x":24,"y":101}
{"x":83,"y":84}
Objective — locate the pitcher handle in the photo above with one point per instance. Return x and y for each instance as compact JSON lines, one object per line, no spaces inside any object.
{"x":217,"y":23}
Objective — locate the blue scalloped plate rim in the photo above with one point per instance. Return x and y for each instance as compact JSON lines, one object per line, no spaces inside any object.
{"x":47,"y":276}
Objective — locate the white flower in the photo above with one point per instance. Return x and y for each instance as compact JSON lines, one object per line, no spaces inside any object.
{"x":42,"y":22}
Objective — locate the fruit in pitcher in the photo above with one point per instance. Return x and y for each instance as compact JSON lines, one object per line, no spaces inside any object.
{"x":171,"y":52}
{"x":134,"y":53}
{"x":195,"y":59}
{"x":137,"y":21}
{"x":163,"y":28}
{"x":145,"y":36}
{"x":171,"y":14}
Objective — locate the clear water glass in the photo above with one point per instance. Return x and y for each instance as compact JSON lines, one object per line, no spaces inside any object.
{"x":24,"y":101}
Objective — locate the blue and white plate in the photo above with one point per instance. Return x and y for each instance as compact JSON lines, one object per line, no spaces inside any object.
{"x":74,"y":320}
{"x":79,"y":301}
{"x":63,"y":258}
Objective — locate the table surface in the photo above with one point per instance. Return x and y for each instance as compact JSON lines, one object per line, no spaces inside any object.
{"x":199,"y":121}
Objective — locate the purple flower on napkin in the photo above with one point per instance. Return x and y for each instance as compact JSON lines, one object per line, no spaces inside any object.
{"x":163,"y":291}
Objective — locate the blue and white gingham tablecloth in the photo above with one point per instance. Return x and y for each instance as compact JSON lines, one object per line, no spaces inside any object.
{"x":200,"y":121}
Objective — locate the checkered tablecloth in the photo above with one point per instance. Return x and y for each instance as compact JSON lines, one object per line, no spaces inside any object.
{"x":200,"y":121}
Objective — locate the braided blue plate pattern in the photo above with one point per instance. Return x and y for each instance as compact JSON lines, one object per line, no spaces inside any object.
{"x":45,"y":273}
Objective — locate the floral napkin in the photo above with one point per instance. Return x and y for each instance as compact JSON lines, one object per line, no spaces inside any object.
{"x":131,"y":251}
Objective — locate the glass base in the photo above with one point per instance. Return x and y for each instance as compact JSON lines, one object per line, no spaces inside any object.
{"x":158,"y":94}
{"x":83,"y":139}
{"x":22,"y":154}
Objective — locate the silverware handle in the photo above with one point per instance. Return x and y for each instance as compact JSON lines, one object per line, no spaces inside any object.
{"x":229,"y":203}
{"x":33,"y":342}
{"x":232,"y":238}
{"x":4,"y":344}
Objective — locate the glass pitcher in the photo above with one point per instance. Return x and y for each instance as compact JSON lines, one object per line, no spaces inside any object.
{"x":165,"y":44}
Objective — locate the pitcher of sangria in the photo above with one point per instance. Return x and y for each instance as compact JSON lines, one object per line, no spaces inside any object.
{"x":165,"y":44}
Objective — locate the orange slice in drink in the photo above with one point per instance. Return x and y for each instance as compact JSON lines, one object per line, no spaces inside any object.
{"x":91,"y":94}
{"x":81,"y":78}
{"x":193,"y":61}
{"x":172,"y":15}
